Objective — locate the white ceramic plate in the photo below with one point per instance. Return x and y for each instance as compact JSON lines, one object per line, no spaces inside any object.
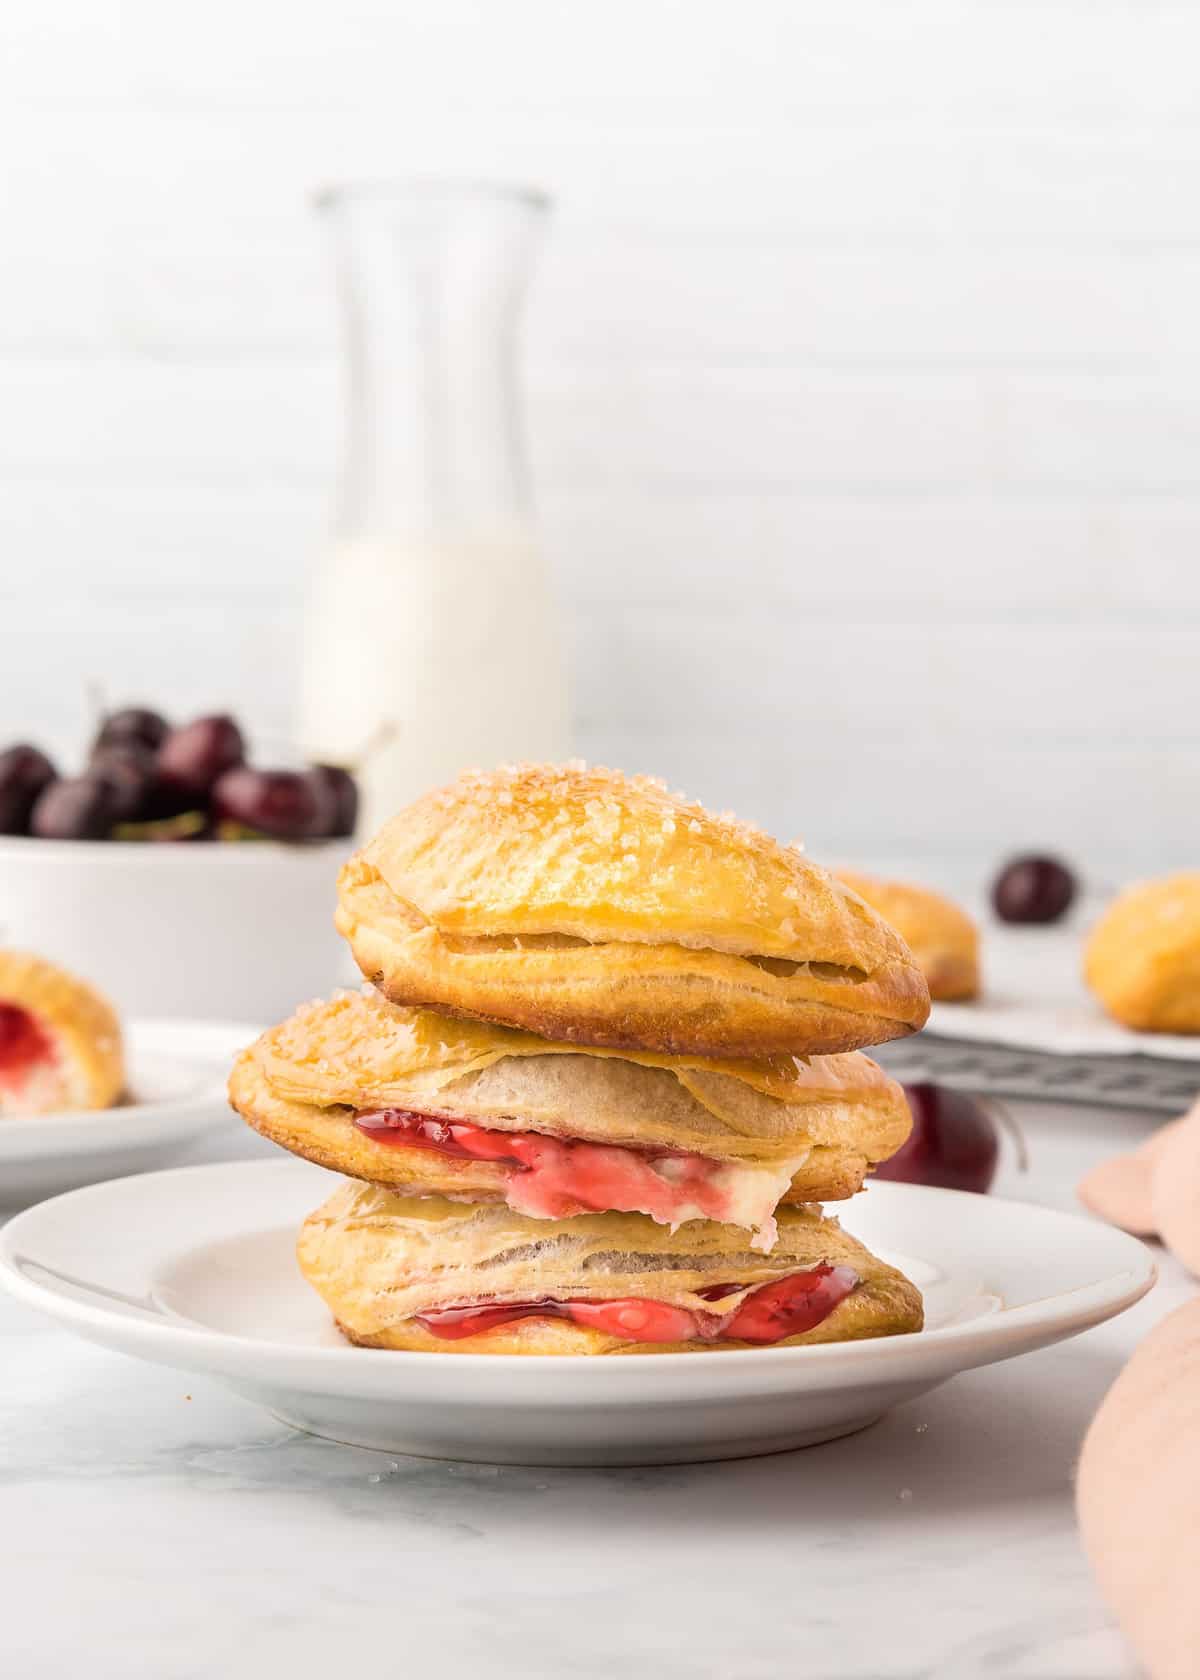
{"x":195,"y":1268}
{"x":177,"y":1074}
{"x":1034,"y":998}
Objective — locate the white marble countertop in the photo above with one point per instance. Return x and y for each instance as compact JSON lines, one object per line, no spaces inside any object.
{"x":155,"y":1526}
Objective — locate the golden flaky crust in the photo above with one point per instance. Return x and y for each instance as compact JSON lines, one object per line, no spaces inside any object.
{"x":943,"y":939}
{"x":1143,"y":957}
{"x":378,"y":1259}
{"x":594,"y":907}
{"x":89,"y":1063}
{"x":301,"y":1083}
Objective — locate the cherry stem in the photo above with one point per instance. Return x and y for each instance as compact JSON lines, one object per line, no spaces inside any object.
{"x":380,"y":737}
{"x":94,"y":691}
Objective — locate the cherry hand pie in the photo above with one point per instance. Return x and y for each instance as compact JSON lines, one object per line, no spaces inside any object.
{"x":1143,"y":957}
{"x":596,"y":908}
{"x":943,"y":939}
{"x":427,"y":1103}
{"x":608,"y":1060}
{"x":60,"y":1041}
{"x":426,"y":1274}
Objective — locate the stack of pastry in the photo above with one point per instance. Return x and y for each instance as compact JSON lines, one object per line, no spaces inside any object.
{"x":606,"y":1067}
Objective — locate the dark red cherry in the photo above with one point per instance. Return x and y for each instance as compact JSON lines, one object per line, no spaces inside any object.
{"x":132,"y":726}
{"x":130,"y":772}
{"x":195,"y":756}
{"x":953,"y":1142}
{"x":123,"y":752}
{"x":78,"y":808}
{"x":342,"y":791}
{"x":284,"y":804}
{"x":24,"y":773}
{"x":145,"y":796}
{"x":1033,"y":889}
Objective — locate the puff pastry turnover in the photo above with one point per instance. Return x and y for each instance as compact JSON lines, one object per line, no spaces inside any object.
{"x":432,"y":1275}
{"x":60,"y":1041}
{"x":943,"y":939}
{"x":427,"y":1103}
{"x":598,"y":908}
{"x":1143,"y":957}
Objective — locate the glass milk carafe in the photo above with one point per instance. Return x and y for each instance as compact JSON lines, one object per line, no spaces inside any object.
{"x":431,"y":640}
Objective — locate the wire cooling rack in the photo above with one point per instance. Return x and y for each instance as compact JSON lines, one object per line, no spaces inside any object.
{"x":998,"y":1070}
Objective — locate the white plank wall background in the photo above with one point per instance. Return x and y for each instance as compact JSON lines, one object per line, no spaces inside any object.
{"x":862,"y":365}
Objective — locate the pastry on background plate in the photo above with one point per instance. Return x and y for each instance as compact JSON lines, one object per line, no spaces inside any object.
{"x":431,"y":1104}
{"x":60,"y":1041}
{"x":1143,"y":956}
{"x":943,"y":939}
{"x":430,"y":1275}
{"x":599,"y":908}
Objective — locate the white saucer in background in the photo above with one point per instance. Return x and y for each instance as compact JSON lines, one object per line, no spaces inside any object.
{"x":195,"y":1268}
{"x":177,"y":1074}
{"x":1034,"y":998}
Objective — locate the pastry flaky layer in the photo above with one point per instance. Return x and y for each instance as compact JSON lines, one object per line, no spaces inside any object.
{"x":380,"y":1261}
{"x":797,"y":1129}
{"x":942,"y":938}
{"x":60,"y":1040}
{"x":599,"y":908}
{"x":1143,"y":957}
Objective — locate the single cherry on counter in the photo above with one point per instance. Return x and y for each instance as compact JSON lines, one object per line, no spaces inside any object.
{"x":953,"y":1143}
{"x":1033,"y":889}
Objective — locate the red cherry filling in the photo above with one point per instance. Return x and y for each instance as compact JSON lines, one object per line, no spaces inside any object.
{"x":404,"y":1127}
{"x":24,"y":1043}
{"x":553,"y":1178}
{"x":791,"y":1305}
{"x":636,"y":1320}
{"x":787,"y":1307}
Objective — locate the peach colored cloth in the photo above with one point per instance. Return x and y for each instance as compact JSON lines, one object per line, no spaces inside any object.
{"x":1155,"y":1191}
{"x":1139,"y":1497}
{"x":1139,"y":1476}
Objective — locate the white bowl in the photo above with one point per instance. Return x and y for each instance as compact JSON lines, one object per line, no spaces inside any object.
{"x":196,"y":1268}
{"x":229,"y":931}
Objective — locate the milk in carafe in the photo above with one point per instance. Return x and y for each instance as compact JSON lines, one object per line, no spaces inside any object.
{"x":431,"y":640}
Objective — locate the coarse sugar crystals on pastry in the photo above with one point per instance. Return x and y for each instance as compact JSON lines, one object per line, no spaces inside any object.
{"x":429,"y":1103}
{"x":60,"y":1040}
{"x":426,"y":1274}
{"x":598,"y":908}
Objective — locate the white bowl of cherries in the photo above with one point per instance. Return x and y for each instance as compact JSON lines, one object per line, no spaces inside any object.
{"x":172,"y":873}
